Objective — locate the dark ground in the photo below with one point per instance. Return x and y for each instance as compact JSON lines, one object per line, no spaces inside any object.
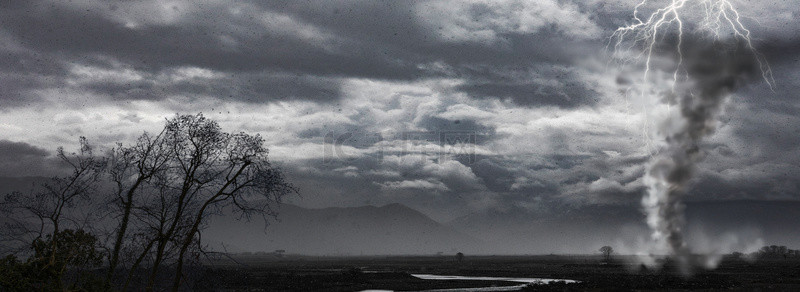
{"x":296,"y":273}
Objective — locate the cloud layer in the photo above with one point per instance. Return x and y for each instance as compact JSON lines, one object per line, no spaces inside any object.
{"x":448,"y":107}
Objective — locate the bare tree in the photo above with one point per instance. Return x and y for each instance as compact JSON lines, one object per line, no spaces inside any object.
{"x":607,"y":251}
{"x":238,"y":175}
{"x":130,"y":168}
{"x":57,"y":209}
{"x":162,"y":192}
{"x":207,"y":171}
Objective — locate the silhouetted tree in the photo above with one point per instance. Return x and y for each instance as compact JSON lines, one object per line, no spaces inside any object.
{"x":774,"y":251}
{"x":52,"y":218}
{"x":157,"y":196}
{"x":67,"y":268}
{"x":208,"y":170}
{"x":460,"y":257}
{"x":16,"y":275}
{"x":130,"y":169}
{"x":76,"y":252}
{"x":607,"y":251}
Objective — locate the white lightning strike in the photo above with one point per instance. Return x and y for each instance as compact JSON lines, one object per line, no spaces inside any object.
{"x":718,"y":15}
{"x":700,"y":96}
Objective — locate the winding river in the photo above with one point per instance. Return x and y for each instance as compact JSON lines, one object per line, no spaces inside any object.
{"x":523,"y":282}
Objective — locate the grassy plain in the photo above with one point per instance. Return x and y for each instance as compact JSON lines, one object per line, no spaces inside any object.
{"x":623,"y":273}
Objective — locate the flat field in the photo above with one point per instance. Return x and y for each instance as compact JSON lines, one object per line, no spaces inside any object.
{"x":622,"y":273}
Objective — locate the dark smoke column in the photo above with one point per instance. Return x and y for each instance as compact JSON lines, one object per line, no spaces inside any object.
{"x":713,"y":70}
{"x":713,"y":55}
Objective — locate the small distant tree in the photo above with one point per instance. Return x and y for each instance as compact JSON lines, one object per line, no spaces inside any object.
{"x":607,"y":251}
{"x":460,"y":257}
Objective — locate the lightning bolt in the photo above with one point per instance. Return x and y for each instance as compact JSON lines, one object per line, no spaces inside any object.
{"x":718,"y":15}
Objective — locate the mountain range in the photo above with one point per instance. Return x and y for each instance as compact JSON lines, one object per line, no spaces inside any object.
{"x":367,"y":230}
{"x":720,"y":226}
{"x":711,"y":226}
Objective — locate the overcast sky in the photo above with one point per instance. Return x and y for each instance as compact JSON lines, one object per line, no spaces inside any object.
{"x":447,"y":107}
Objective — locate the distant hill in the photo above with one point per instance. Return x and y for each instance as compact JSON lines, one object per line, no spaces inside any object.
{"x":397,"y":229}
{"x":388,"y":230}
{"x":732,"y":225}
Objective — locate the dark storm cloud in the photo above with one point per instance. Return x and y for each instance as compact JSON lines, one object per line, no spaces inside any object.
{"x":55,"y":29}
{"x":498,"y":178}
{"x":779,"y":183}
{"x":22,"y":159}
{"x":499,"y":69}
{"x":568,"y":94}
{"x":267,"y":67}
{"x":20,"y":149}
{"x":271,"y":51}
{"x":783,"y":50}
{"x":756,"y":158}
{"x":783,"y":56}
{"x":250,"y":87}
{"x":324,"y":42}
{"x":770,"y":135}
{"x":22,"y":71}
{"x":16,"y":90}
{"x":397,"y":29}
{"x":449,"y":132}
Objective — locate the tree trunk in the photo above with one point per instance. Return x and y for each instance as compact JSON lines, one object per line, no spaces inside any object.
{"x":151,"y":280}
{"x":187,"y":185}
{"x":176,"y":284}
{"x":137,"y":263}
{"x":121,"y":233}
